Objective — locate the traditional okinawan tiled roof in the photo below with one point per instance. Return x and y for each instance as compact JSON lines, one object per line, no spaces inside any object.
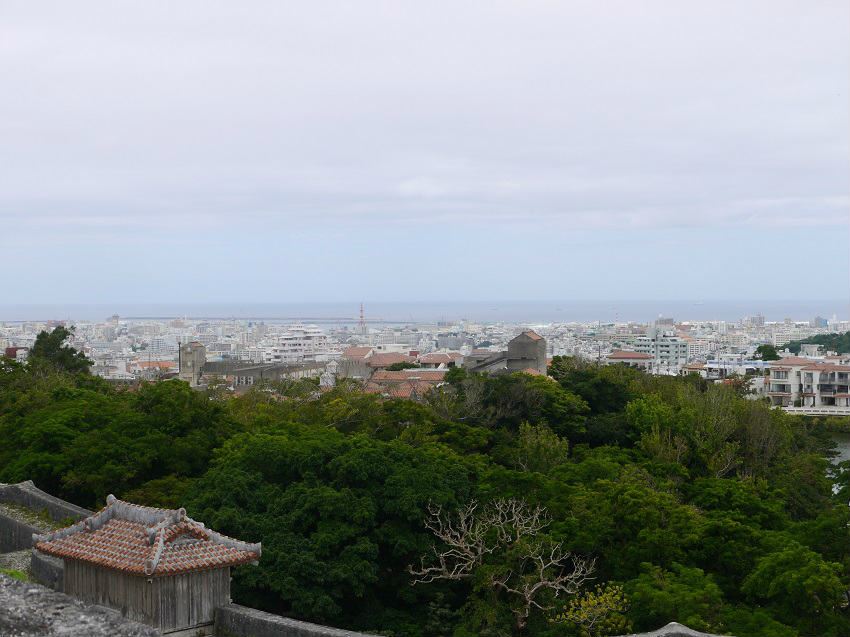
{"x":146,"y":541}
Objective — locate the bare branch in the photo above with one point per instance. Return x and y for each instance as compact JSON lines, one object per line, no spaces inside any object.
{"x":469,"y":535}
{"x":554,"y":570}
{"x":464,"y":534}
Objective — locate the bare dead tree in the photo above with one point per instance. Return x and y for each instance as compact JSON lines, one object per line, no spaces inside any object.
{"x":465,"y":537}
{"x":544,"y":568}
{"x":513,"y":519}
{"x":510,"y":526}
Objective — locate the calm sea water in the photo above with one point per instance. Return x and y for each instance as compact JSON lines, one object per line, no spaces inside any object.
{"x":425,"y":312}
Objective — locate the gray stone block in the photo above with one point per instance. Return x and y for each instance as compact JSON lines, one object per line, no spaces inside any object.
{"x":31,"y":610}
{"x":238,"y":621}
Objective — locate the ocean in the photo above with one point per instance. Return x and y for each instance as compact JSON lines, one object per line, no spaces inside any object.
{"x":530,"y":312}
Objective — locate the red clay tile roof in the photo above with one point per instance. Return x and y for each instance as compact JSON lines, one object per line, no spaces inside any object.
{"x":792,"y":360}
{"x":619,"y":354}
{"x":357,"y":352}
{"x":156,"y":364}
{"x":534,"y":336}
{"x":146,"y":541}
{"x":826,"y":367}
{"x":385,"y":359}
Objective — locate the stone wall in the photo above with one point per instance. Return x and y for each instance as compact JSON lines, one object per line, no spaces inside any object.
{"x":30,"y":610}
{"x":28,"y":495}
{"x":15,"y":535}
{"x":47,"y":570}
{"x":238,"y":621}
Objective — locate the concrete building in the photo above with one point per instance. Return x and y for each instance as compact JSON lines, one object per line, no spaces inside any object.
{"x":192,"y":358}
{"x":669,"y":352}
{"x":809,"y":385}
{"x":299,"y":343}
{"x":526,"y":352}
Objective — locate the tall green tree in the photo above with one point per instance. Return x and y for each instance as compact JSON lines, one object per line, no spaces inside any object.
{"x":50,"y":348}
{"x":767,"y":352}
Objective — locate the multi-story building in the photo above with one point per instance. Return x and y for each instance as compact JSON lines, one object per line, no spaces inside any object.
{"x":299,"y":343}
{"x":809,"y":384}
{"x":669,"y":352}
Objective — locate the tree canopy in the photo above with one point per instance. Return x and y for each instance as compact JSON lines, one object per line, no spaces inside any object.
{"x":684,"y":500}
{"x":50,"y":348}
{"x":839,"y":342}
{"x":768,"y":353}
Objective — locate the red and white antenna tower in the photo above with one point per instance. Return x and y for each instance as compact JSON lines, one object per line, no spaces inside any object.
{"x":363,"y":329}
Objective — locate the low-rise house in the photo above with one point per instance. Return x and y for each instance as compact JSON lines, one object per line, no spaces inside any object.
{"x":436,"y":360}
{"x":639,"y":360}
{"x":157,"y":566}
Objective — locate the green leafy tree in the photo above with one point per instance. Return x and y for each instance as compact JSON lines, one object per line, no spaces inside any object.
{"x":397,"y":367}
{"x":682,"y":594}
{"x":605,"y":388}
{"x":799,"y":584}
{"x":767,"y":353}
{"x":50,"y":348}
{"x":599,"y":612}
{"x":339,"y":517}
{"x":539,"y":449}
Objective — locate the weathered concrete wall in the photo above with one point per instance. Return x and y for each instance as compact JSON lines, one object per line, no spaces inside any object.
{"x":238,"y":621}
{"x":15,"y":535}
{"x":28,"y":495}
{"x":47,"y":570}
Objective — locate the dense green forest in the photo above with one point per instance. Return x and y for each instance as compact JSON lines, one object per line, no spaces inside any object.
{"x":594,"y":502}
{"x":831,"y":342}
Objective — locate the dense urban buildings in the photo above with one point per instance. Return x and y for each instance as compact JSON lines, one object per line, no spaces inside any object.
{"x":407,"y":359}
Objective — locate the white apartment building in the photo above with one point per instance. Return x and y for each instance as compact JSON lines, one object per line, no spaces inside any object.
{"x":668,"y":352}
{"x":809,"y":384}
{"x":699,"y":348}
{"x":299,"y":343}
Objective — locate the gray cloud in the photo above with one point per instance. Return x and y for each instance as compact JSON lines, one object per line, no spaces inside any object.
{"x":160,"y":117}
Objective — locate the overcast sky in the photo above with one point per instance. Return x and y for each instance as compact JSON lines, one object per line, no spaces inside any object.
{"x":308,"y":151}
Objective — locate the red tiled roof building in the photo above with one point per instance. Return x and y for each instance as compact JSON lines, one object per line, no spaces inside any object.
{"x":156,"y":566}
